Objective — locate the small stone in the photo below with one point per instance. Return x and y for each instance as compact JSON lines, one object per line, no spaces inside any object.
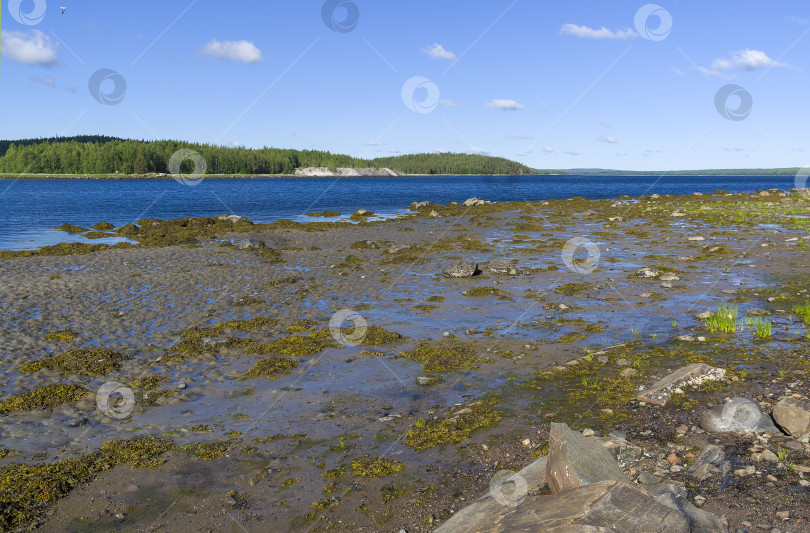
{"x":587,"y":432}
{"x":622,"y":362}
{"x":768,"y":455}
{"x":681,"y":430}
{"x":628,"y":372}
{"x":784,"y":515}
{"x":120,"y":516}
{"x":181,"y":385}
{"x":526,"y":442}
{"x":673,"y":459}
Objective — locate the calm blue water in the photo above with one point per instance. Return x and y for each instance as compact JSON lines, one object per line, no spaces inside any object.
{"x":32,"y":208}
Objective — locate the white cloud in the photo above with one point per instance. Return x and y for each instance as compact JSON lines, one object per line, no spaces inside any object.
{"x":506,"y":105}
{"x":741,"y":60}
{"x":237,"y":144}
{"x":572,"y":152}
{"x":586,"y":32}
{"x":448,"y":103}
{"x":392,"y":151}
{"x":371,"y":143}
{"x":548,"y":149}
{"x":520,"y":136}
{"x":47,"y":80}
{"x":237,"y":51}
{"x":476,"y":150}
{"x":606,"y":139}
{"x":29,"y":48}
{"x":437,"y":51}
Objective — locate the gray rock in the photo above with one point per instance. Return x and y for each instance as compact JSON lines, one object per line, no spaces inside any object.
{"x":660,"y":392}
{"x":707,"y":463}
{"x":757,"y":312}
{"x":575,"y":460}
{"x":502,"y":266}
{"x":676,"y":498}
{"x":397,"y":248}
{"x":426,"y":381}
{"x":420,"y":205}
{"x":251,"y":243}
{"x":785,"y":336}
{"x":460,"y":269}
{"x":647,"y":272}
{"x":645,"y":478}
{"x":793,"y":416}
{"x":472,"y":202}
{"x":234,"y":219}
{"x":738,"y":414}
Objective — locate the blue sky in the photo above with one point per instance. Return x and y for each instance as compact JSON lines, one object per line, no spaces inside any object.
{"x":624,"y":85}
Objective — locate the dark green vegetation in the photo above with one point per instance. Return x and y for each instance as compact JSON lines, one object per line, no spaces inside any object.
{"x":271,"y":368}
{"x":104,"y":155}
{"x":94,"y":362}
{"x":455,"y":427}
{"x":445,"y":355}
{"x":377,"y":467}
{"x":46,"y":397}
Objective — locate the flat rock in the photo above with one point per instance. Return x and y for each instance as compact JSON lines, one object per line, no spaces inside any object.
{"x":676,"y":498}
{"x":738,"y":414}
{"x":708,"y":463}
{"x":251,"y":243}
{"x":502,"y":266}
{"x":757,"y":312}
{"x":398,"y":248}
{"x":460,"y":269}
{"x":669,"y":277}
{"x":575,"y":460}
{"x":660,"y":392}
{"x":472,"y":202}
{"x":793,"y":416}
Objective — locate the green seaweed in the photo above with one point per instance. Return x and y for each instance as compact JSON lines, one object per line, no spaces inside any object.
{"x":377,"y":467}
{"x":63,"y":335}
{"x":445,"y":355}
{"x":45,"y":397}
{"x":455,"y":427}
{"x":271,"y":368}
{"x":92,"y":362}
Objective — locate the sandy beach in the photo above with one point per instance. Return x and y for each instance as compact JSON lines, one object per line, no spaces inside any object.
{"x":329,"y":377}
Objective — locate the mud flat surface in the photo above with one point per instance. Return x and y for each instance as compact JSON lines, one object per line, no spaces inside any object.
{"x":186,"y":384}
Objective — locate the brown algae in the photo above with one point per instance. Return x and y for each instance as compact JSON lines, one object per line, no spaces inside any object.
{"x":377,"y":467}
{"x":45,"y":397}
{"x":271,"y":368}
{"x":444,"y":355}
{"x":92,"y":362}
{"x":455,"y":427}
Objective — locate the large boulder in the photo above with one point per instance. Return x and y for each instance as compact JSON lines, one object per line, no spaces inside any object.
{"x":738,"y":414}
{"x":575,"y":460}
{"x":473,"y":202}
{"x":793,"y":416}
{"x":460,"y":269}
{"x":692,"y":375}
{"x":502,"y":266}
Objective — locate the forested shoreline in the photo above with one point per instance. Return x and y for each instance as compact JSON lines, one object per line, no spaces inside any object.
{"x":98,"y":155}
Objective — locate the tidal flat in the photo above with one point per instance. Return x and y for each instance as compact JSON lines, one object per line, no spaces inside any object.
{"x":218,"y":375}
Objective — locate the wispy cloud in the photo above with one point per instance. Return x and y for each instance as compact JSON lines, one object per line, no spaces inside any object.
{"x":438,"y":51}
{"x":29,"y":48}
{"x":572,"y":152}
{"x":676,"y":70}
{"x":548,"y":149}
{"x":371,"y":143}
{"x":586,"y":32}
{"x":506,"y":105}
{"x":476,"y":150}
{"x":520,"y":136}
{"x":741,"y":60}
{"x":236,"y":51}
{"x":606,"y":139}
{"x":448,"y":103}
{"x":47,"y":80}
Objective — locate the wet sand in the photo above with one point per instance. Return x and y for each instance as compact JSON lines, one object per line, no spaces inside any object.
{"x":289,"y":443}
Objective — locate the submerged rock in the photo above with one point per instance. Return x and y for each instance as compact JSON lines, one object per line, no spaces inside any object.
{"x":251,"y":244}
{"x":738,"y":414}
{"x":646,"y":273}
{"x":460,"y":269}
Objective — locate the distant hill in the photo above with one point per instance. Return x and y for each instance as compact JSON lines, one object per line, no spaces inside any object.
{"x":92,"y":154}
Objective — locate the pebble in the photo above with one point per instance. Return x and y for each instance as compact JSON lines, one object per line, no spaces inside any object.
{"x":622,"y":362}
{"x":587,"y":432}
{"x":120,"y":516}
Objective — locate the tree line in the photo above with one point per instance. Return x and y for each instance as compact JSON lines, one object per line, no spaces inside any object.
{"x":108,"y":155}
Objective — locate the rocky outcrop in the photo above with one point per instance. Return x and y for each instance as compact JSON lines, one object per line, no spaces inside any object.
{"x":323,"y":172}
{"x":502,"y":266}
{"x":738,"y":414}
{"x":793,"y":415}
{"x":575,"y":461}
{"x":692,"y":375}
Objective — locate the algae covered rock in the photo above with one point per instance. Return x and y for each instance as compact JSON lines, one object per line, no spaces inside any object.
{"x":460,"y":269}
